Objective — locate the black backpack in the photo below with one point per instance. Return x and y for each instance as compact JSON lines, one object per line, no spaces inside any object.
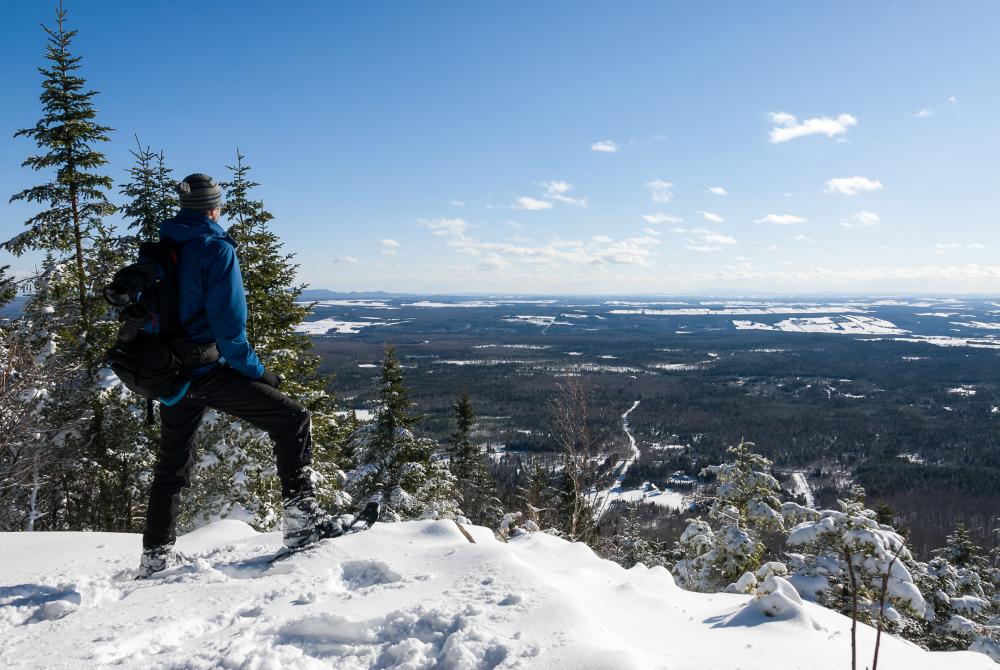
{"x":152,"y":356}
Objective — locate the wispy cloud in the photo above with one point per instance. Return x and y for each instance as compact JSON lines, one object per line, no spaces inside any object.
{"x":599,"y":250}
{"x":389,"y":247}
{"x":717,"y":190}
{"x":445,"y":227}
{"x":704,"y":240}
{"x":605,"y":147}
{"x":348,"y":260}
{"x":925,"y":114}
{"x":782,"y":219}
{"x":660,"y":190}
{"x":951,"y":246}
{"x":952,"y":99}
{"x":852,"y":185}
{"x":660,"y":217}
{"x":557,"y":190}
{"x":457,"y":203}
{"x":787,"y":126}
{"x":530,"y":204}
{"x":711,"y":217}
{"x":861,"y":219}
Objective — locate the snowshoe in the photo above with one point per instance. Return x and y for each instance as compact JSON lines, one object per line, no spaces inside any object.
{"x":342,"y":525}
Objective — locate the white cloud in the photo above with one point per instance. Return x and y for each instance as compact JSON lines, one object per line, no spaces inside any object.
{"x":605,"y":147}
{"x":349,"y":260}
{"x":782,"y":219}
{"x":711,"y":217}
{"x":652,"y":231}
{"x":718,"y":238}
{"x":804,"y":238}
{"x":861,"y":219}
{"x":531,"y":204}
{"x":445,"y":227}
{"x":457,"y":203}
{"x":514,"y":224}
{"x":702,"y":239}
{"x":952,"y":99}
{"x":949,"y":246}
{"x":852,"y":185}
{"x":717,"y":190}
{"x":787,"y":126}
{"x":659,"y":190}
{"x":389,"y":247}
{"x":600,"y":250}
{"x":557,"y":190}
{"x":660,"y":217}
{"x":925,"y":114}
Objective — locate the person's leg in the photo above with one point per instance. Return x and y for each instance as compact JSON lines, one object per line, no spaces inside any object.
{"x":286,"y":422}
{"x":178,"y":426}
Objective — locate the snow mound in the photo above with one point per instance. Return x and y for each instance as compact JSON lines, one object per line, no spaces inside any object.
{"x":405,"y":596}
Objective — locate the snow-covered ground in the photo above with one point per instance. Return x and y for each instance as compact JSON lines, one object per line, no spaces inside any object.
{"x":326,"y":326}
{"x":413,"y":596}
{"x":847,"y":325}
{"x":776,"y":308}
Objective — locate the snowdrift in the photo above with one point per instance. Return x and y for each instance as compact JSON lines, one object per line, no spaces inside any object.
{"x":410,"y":596}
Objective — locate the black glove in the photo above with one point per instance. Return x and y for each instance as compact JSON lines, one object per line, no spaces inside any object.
{"x":272,"y":379}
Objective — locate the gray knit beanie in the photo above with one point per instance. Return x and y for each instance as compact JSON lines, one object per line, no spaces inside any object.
{"x":199,"y":192}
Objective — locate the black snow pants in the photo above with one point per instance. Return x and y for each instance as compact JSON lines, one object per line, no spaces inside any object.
{"x":227,"y":391}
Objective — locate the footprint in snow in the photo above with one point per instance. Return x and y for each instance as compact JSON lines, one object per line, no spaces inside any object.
{"x":362,"y":574}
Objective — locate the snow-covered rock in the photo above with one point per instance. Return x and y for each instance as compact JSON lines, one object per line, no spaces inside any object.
{"x":412,"y":596}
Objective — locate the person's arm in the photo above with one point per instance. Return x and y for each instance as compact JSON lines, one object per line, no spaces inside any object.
{"x":226,"y":308}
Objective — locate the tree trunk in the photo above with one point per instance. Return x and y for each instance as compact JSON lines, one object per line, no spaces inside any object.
{"x":81,"y":277}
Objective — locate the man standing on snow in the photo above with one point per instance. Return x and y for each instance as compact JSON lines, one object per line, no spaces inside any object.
{"x":213,"y":309}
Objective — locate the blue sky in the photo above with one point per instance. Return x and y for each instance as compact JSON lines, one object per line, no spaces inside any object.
{"x":457,"y":147}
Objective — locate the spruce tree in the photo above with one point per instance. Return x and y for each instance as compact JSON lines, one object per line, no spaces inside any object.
{"x":475,"y":483}
{"x":75,"y":197}
{"x":150,"y":193}
{"x":80,"y":457}
{"x":391,"y":465}
{"x":744,"y":505}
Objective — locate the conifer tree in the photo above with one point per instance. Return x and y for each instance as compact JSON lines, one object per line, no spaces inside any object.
{"x":537,"y":497}
{"x":150,"y":193}
{"x":79,"y":481}
{"x":474,"y":481}
{"x":75,"y":198}
{"x":628,"y":546}
{"x":391,"y":465}
{"x":744,"y":504}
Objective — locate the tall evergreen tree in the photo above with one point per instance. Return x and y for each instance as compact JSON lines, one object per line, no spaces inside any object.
{"x":78,"y":482}
{"x":474,"y":481}
{"x":391,"y":465}
{"x":75,"y":198}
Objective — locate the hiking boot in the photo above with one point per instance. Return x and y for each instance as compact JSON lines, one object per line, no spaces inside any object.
{"x":157,"y":559}
{"x":305,"y":522}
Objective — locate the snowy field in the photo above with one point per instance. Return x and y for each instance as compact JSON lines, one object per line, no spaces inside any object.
{"x":413,"y":596}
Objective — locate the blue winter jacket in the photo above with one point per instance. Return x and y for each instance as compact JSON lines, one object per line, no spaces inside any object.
{"x":209,"y":280}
